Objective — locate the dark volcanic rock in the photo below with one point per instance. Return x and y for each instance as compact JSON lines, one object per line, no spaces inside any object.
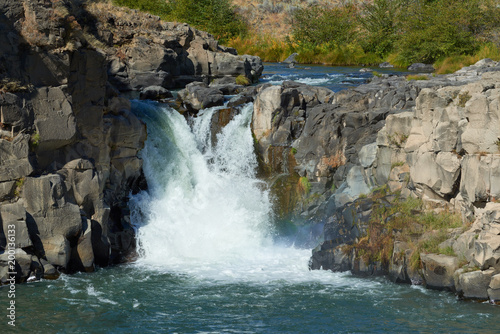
{"x":69,"y":144}
{"x":421,"y":68}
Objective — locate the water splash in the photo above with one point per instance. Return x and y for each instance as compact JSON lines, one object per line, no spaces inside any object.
{"x":205,"y":208}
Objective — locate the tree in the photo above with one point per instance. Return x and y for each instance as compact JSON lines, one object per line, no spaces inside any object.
{"x":318,"y":25}
{"x":380,"y":20}
{"x":217,"y":17}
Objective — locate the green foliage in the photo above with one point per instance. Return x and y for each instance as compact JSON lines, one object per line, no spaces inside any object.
{"x":242,"y":80}
{"x":405,"y":220}
{"x":34,"y":140}
{"x":217,"y":17}
{"x":402,"y":31}
{"x":397,"y":164}
{"x":416,"y":77}
{"x":440,"y":28}
{"x":293,"y":151}
{"x":397,"y":139}
{"x":463,"y":98}
{"x":380,"y":20}
{"x":268,"y":48}
{"x":448,"y":250}
{"x":304,"y":185}
{"x":19,"y":186}
{"x":318,"y":25}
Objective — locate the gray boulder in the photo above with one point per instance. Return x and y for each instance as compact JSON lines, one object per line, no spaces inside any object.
{"x":386,"y":65}
{"x":197,"y":96}
{"x":421,"y":68}
{"x":494,"y":288}
{"x":475,"y":284}
{"x":57,"y":251}
{"x":438,"y":270}
{"x":14,"y":231}
{"x":14,"y":162}
{"x":155,"y":93}
{"x":291,"y":58}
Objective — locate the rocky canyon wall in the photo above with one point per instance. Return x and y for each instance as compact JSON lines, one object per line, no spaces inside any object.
{"x":353,"y":156}
{"x":69,"y":147}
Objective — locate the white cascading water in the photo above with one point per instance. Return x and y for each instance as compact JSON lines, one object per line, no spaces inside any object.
{"x":205,"y":213}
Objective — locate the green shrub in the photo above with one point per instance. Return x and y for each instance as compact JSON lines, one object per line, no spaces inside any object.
{"x":440,"y":28}
{"x":18,"y":187}
{"x":34,"y":140}
{"x":304,"y":185}
{"x":463,"y":98}
{"x":416,"y":77}
{"x":217,"y":17}
{"x":319,"y":25}
{"x":380,"y":20}
{"x":242,"y":80}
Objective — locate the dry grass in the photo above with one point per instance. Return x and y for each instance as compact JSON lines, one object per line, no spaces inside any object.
{"x":416,"y":77}
{"x":404,"y":220}
{"x":13,"y":86}
{"x":30,"y":29}
{"x":454,"y":63}
{"x":266,"y":47}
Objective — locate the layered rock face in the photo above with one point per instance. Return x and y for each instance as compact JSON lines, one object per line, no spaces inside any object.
{"x":69,"y":143}
{"x":435,"y":140}
{"x":149,"y":52}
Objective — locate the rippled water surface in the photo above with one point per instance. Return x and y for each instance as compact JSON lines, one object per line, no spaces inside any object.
{"x":334,"y":78}
{"x":137,"y":299}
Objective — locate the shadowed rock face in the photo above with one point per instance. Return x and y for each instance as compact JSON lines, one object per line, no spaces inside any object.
{"x":69,"y":142}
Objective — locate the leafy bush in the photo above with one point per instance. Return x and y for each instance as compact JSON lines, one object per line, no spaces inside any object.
{"x":405,"y":31}
{"x":304,"y":185}
{"x":436,"y":29}
{"x":217,"y":17}
{"x":318,"y":25}
{"x":380,"y":21}
{"x":268,"y":48}
{"x":242,"y":80}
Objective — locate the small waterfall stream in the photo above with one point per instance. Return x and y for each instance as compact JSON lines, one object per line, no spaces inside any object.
{"x":206,"y":213}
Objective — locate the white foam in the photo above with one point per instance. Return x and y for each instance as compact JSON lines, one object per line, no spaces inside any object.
{"x":207,"y":217}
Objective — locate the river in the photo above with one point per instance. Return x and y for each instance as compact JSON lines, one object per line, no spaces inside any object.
{"x":209,"y":260}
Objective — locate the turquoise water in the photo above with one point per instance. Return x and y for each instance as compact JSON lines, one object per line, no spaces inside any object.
{"x":133,"y":299}
{"x":210,"y":263}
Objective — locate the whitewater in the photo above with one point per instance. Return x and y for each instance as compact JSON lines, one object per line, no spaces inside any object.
{"x":206,"y":214}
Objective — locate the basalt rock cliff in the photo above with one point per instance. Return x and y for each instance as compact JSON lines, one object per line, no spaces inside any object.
{"x":69,"y":147}
{"x":387,"y":169}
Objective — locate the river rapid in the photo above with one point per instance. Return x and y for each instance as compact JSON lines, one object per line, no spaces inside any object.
{"x":209,"y":260}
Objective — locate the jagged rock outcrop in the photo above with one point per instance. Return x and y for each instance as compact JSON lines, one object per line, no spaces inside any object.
{"x":69,"y":142}
{"x":145,"y":51}
{"x":436,"y":140}
{"x":443,"y":151}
